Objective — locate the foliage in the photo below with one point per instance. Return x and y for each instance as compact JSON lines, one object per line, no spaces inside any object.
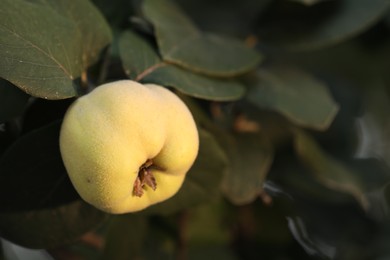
{"x":291,"y":100}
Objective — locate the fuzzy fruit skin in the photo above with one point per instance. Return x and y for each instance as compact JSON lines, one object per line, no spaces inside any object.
{"x":109,"y":133}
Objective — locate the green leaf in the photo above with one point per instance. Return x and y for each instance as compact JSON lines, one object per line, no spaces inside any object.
{"x":51,"y":227}
{"x":250,"y":157}
{"x":141,"y":62}
{"x":32,"y":175}
{"x":295,"y":94}
{"x":182,"y":43}
{"x":12,"y":101}
{"x":202,"y":181}
{"x":90,"y":23}
{"x":298,"y":28}
{"x":43,"y":64}
{"x":328,"y":171}
{"x":196,"y":85}
{"x":137,"y":54}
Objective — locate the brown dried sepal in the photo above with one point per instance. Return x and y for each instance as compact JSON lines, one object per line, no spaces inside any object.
{"x":145,"y":177}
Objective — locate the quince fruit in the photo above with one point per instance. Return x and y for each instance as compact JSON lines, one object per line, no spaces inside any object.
{"x":127,"y":146}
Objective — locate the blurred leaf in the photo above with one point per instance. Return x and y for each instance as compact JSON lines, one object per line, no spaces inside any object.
{"x":295,"y":94}
{"x":32,"y":175}
{"x":206,"y":226}
{"x":376,"y":176}
{"x":386,"y":197}
{"x":51,"y":227}
{"x":117,"y":12}
{"x":333,"y":218}
{"x":350,"y":60}
{"x":126,"y":237}
{"x":212,"y":253}
{"x":379,"y":203}
{"x":328,"y":171}
{"x":12,"y":101}
{"x":228,"y":17}
{"x":343,"y":136}
{"x":374,"y":172}
{"x":181,"y":43}
{"x":374,"y":124}
{"x":162,"y":237}
{"x":387,"y":19}
{"x":202,"y":181}
{"x":250,"y":157}
{"x":46,"y":63}
{"x":309,"y":2}
{"x":299,"y":28}
{"x":297,"y":183}
{"x":316,"y":249}
{"x":90,"y":23}
{"x":141,"y":62}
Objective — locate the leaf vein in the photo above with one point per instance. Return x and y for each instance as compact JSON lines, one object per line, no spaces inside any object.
{"x":15,"y":34}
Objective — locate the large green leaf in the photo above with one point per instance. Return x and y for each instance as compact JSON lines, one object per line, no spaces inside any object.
{"x":141,"y":62}
{"x":328,"y":171}
{"x":295,"y":94}
{"x":32,"y":175}
{"x":250,"y":157}
{"x":182,"y":43}
{"x":44,"y":49}
{"x":202,"y":181}
{"x":42,"y":63}
{"x":299,"y":28}
{"x":91,"y":25}
{"x":51,"y":227}
{"x":12,"y":100}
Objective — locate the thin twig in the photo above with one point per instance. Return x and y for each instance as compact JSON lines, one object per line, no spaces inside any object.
{"x":149,"y":70}
{"x":84,"y":79}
